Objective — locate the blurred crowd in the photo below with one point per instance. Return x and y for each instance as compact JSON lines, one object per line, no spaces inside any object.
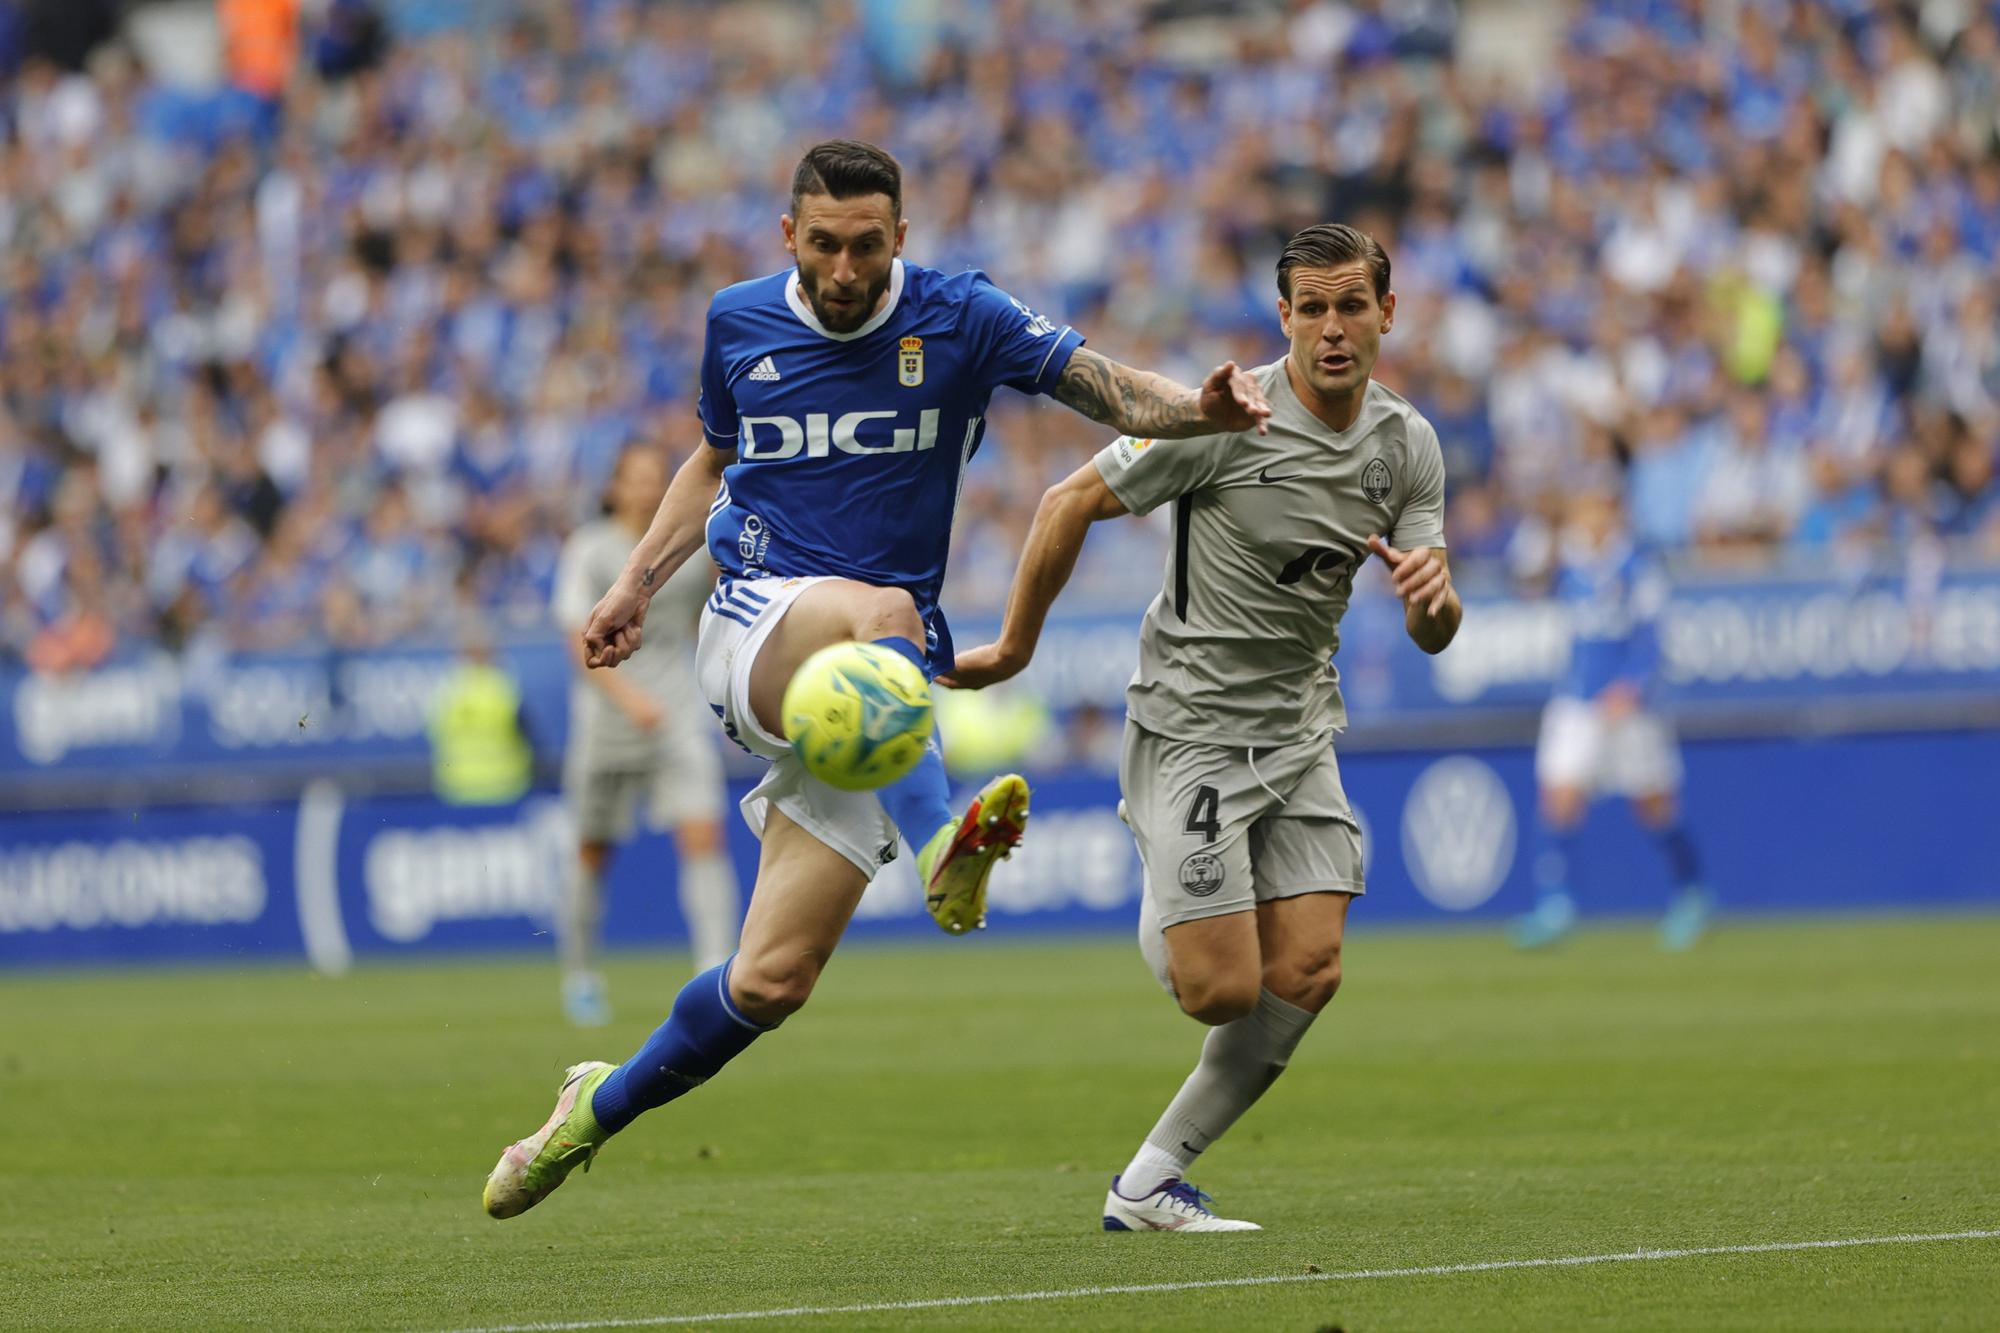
{"x":346,"y":348}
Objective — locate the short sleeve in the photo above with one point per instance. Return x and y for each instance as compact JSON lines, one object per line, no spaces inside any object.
{"x":717,"y":406}
{"x":1144,"y":474}
{"x":1015,"y":346}
{"x":573,"y":598}
{"x":1421,"y":523}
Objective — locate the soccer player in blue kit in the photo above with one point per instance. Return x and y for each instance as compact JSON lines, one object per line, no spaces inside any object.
{"x":1600,"y":732}
{"x":842,"y":400}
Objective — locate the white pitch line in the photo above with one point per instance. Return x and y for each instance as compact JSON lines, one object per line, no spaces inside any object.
{"x":1148,"y":1288}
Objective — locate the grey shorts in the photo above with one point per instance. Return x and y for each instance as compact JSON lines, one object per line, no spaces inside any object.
{"x":683,"y":783}
{"x":1223,"y":828}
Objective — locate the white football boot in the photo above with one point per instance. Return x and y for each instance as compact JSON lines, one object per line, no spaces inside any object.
{"x":1174,"y":1206}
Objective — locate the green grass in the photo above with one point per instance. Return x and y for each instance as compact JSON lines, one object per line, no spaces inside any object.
{"x":261,"y":1148}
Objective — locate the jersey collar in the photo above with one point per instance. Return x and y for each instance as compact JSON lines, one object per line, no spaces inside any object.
{"x":1369,"y":400}
{"x":801,"y":307}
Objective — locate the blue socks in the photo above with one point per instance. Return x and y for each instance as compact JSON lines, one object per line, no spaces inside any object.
{"x":704,"y":1032}
{"x":895,"y":643}
{"x":920,"y":801}
{"x":1552,"y":860}
{"x":1678,"y":848}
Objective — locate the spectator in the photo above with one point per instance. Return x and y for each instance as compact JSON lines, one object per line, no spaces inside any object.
{"x":382,"y":335}
{"x":260,"y":41}
{"x":1754,"y":491}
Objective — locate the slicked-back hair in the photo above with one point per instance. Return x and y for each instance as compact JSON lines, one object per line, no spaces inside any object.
{"x":1329,"y":245}
{"x":847,"y":169}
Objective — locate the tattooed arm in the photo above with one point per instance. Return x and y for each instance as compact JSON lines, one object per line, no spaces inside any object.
{"x":1153,"y":407}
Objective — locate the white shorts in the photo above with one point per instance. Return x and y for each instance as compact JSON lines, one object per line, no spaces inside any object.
{"x":1635,"y":756}
{"x":739,"y":617}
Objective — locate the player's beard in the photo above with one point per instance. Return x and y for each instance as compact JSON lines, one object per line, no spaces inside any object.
{"x":847,"y":321}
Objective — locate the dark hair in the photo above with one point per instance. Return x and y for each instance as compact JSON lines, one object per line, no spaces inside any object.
{"x":631,"y":447}
{"x":847,"y":169}
{"x":1328,"y":245}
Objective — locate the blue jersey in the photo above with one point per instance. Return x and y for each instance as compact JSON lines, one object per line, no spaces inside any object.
{"x":851,"y":447}
{"x":1613,"y":598}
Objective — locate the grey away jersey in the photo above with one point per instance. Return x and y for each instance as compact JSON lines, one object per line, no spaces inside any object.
{"x":1268,"y":531}
{"x":591,"y":561}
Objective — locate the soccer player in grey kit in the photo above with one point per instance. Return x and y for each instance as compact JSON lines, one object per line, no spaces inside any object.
{"x":638,"y":739}
{"x":1251,"y":850}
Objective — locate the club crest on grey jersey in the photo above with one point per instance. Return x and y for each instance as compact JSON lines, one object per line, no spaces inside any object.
{"x":1269,"y":534}
{"x":1376,"y":483}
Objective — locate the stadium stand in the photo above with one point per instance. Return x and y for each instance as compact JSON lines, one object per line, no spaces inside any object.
{"x":317,"y":365}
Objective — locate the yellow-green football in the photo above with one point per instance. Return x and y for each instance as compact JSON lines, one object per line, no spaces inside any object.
{"x":859,"y":716}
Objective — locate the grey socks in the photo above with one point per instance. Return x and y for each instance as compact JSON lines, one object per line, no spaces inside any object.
{"x":1239,"y":1061}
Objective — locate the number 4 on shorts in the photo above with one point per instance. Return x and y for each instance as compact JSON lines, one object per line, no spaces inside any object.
{"x":1202,"y":814}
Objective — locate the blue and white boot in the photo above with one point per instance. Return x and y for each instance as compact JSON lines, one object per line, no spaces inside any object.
{"x":1686,"y":920}
{"x":1554,"y":917}
{"x":1174,"y":1206}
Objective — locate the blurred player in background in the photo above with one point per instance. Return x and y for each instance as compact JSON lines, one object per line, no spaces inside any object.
{"x":1251,"y":850}
{"x":841,"y":401}
{"x":638,"y":736}
{"x":1600,"y":733}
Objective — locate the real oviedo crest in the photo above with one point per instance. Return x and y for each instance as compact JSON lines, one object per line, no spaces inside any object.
{"x":910,"y":362}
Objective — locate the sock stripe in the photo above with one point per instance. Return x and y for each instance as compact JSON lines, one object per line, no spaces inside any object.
{"x":703,"y":1032}
{"x":729,"y":1005}
{"x":896,"y":643}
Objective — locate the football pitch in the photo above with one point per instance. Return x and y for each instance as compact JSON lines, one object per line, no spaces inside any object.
{"x":931,"y":1140}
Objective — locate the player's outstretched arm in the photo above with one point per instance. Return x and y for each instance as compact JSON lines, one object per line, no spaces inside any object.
{"x":1152,"y":407}
{"x":1062,"y":520}
{"x":1422,"y":578}
{"x":616,"y":624}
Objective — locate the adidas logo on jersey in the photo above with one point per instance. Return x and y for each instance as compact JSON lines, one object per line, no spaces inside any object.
{"x":766,"y":370}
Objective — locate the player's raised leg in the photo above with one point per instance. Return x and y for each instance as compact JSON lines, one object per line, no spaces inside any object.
{"x":955,"y":854}
{"x":805,"y":895}
{"x":835,"y":611}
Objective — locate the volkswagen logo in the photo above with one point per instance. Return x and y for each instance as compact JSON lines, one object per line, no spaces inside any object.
{"x":1458,"y":833}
